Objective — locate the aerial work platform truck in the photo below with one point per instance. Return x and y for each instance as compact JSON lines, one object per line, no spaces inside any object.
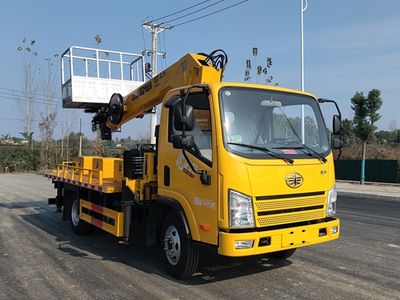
{"x":245,"y":169}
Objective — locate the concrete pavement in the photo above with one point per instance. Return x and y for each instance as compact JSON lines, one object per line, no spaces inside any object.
{"x":40,"y":258}
{"x":371,"y":190}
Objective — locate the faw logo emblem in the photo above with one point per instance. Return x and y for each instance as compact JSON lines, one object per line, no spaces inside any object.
{"x":294,"y":180}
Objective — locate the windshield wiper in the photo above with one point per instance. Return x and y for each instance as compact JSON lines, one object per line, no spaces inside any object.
{"x":320,"y":157}
{"x":266,"y":150}
{"x":310,"y":151}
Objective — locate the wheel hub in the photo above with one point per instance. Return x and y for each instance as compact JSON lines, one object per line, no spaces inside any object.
{"x":172,"y":245}
{"x":75,"y":213}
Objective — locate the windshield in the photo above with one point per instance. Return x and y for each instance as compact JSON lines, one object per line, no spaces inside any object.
{"x":259,"y":123}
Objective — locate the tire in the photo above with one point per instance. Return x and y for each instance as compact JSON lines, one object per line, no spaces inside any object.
{"x":78,"y":226}
{"x":181,"y":255}
{"x":283,"y":254}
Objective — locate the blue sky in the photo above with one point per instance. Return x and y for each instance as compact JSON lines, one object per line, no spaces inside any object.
{"x":350,"y":46}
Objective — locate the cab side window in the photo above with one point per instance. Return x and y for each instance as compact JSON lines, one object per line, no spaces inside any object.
{"x":202,"y":132}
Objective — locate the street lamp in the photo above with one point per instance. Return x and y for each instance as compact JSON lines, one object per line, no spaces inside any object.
{"x":303,"y":8}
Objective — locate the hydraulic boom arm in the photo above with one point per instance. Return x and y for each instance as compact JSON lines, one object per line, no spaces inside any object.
{"x":190,"y":69}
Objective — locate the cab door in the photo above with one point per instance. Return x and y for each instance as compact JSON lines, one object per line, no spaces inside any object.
{"x":178,"y":181}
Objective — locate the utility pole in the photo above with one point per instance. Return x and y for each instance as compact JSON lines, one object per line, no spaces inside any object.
{"x":155,"y":29}
{"x":303,"y":8}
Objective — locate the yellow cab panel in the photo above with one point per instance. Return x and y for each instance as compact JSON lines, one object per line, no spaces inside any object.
{"x":282,"y":170}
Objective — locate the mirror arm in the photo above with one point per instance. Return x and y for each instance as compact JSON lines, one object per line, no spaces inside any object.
{"x":322,"y":100}
{"x":204,"y":177}
{"x":189,"y":161}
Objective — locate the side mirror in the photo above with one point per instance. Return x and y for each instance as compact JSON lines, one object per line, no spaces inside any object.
{"x":336,"y":124}
{"x":180,"y":142}
{"x":336,"y":143}
{"x":180,"y":119}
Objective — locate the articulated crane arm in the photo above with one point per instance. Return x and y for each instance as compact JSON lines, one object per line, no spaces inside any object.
{"x":189,"y":70}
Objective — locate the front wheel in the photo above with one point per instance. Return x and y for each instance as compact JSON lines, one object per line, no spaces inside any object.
{"x":180,"y":253}
{"x":283,"y":254}
{"x":79,"y":226}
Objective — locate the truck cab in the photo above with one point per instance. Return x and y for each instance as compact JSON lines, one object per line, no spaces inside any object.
{"x":271,"y":180}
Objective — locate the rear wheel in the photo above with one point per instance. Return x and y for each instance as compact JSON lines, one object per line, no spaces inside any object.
{"x":283,"y":254}
{"x":78,"y":226}
{"x":180,"y":253}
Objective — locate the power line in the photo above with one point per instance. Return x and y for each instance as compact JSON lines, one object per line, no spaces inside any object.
{"x":23,"y":92}
{"x":193,"y":12}
{"x":34,"y":120}
{"x":3,"y":96}
{"x":182,"y":10}
{"x":14,"y":98}
{"x":16,"y":119}
{"x":21,"y":98}
{"x":12,"y":119}
{"x":209,"y":14}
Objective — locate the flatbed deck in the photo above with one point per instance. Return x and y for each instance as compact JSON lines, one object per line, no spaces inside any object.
{"x":89,"y":178}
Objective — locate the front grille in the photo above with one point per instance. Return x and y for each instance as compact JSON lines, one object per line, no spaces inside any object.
{"x":276,"y":210}
{"x":290,"y":218}
{"x":274,"y":197}
{"x":289,"y":203}
{"x":289,"y":210}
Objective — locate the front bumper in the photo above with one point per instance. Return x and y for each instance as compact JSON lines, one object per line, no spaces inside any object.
{"x":279,"y":239}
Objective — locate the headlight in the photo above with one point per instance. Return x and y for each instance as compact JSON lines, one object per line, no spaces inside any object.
{"x":331,"y":205}
{"x":240,"y":210}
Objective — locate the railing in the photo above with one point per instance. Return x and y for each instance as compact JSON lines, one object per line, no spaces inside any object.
{"x":89,"y":76}
{"x":378,"y":170}
{"x":77,"y":55}
{"x":80,"y":174}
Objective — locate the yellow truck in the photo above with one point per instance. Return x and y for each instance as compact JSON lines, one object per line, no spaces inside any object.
{"x":245,"y":169}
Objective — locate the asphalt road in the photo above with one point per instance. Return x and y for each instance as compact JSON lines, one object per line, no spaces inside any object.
{"x":40,"y":258}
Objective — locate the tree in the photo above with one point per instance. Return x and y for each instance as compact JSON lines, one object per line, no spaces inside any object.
{"x":385,"y":137}
{"x":68,"y":122}
{"x":48,"y":121}
{"x":99,"y":147}
{"x":30,"y":87}
{"x":347,"y":134}
{"x":365,"y":116}
{"x":260,"y":71}
{"x":97,"y":39}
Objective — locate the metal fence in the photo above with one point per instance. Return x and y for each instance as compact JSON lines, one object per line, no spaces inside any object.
{"x":375,"y":170}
